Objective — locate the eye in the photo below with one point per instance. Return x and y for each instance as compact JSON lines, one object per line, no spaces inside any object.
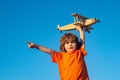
{"x":67,"y":43}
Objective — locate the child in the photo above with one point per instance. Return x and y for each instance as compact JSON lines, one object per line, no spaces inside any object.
{"x":70,"y":60}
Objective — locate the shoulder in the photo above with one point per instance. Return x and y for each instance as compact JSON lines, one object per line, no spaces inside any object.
{"x":55,"y":53}
{"x":56,"y":56}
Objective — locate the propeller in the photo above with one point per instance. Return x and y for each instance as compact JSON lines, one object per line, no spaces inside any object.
{"x":58,"y":26}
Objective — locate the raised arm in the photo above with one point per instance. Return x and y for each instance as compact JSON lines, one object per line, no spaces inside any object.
{"x":82,"y":36}
{"x":39,"y":47}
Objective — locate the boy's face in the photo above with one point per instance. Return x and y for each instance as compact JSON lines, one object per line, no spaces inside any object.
{"x":70,"y":46}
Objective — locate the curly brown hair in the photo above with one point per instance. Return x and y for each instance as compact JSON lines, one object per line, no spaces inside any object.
{"x":68,"y":37}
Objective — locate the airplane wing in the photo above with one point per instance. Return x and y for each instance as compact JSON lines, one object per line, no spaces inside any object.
{"x":67,"y":27}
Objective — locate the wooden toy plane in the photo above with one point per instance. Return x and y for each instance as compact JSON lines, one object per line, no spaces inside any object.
{"x":79,"y":20}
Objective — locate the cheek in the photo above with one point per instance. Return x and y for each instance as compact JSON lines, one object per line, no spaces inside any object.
{"x":65,"y":46}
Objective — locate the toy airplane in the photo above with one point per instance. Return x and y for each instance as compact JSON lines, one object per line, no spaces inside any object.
{"x":79,"y":21}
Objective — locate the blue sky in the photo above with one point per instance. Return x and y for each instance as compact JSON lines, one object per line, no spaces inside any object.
{"x":36,"y":21}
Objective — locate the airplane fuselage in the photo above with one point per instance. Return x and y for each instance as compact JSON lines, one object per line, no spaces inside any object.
{"x":72,"y":26}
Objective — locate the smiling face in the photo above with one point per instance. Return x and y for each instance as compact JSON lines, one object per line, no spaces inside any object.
{"x":70,"y":46}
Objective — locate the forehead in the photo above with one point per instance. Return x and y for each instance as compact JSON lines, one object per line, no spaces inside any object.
{"x":70,"y":40}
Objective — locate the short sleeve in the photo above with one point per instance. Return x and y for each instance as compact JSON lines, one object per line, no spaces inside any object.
{"x":83,"y":51}
{"x":55,"y":57}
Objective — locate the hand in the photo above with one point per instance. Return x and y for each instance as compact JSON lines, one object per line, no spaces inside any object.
{"x":79,"y":27}
{"x":31,"y":45}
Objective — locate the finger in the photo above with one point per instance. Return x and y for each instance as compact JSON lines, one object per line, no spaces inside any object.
{"x":29,"y":42}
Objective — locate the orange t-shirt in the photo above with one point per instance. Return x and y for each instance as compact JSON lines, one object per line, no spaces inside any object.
{"x":71,"y":65}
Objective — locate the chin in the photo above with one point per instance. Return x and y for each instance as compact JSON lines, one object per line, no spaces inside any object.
{"x":70,"y":50}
